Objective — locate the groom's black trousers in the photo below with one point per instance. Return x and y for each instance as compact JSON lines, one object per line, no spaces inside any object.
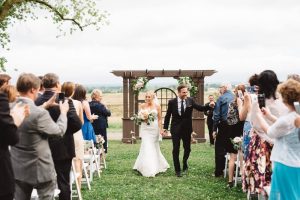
{"x":186,"y":139}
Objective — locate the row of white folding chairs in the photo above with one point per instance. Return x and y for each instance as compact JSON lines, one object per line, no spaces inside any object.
{"x":92,"y":162}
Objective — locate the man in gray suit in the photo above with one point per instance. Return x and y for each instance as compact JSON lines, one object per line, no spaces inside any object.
{"x":31,"y":157}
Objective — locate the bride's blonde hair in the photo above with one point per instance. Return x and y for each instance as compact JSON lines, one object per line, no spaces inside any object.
{"x":151,"y":94}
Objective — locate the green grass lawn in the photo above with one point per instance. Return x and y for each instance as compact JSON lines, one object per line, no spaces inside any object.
{"x":119,"y":181}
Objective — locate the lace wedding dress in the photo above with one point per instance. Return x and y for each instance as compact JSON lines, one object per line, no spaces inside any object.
{"x":150,"y":160}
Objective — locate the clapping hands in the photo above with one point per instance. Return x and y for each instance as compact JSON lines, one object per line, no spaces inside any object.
{"x":19,"y":112}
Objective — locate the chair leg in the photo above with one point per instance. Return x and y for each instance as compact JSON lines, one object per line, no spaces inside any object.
{"x":86,"y":175}
{"x":76,"y":182}
{"x":237,"y":166}
{"x":226,"y":165}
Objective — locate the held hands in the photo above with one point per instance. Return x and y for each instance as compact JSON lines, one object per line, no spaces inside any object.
{"x":19,"y":112}
{"x":164,"y":132}
{"x":212,"y":104}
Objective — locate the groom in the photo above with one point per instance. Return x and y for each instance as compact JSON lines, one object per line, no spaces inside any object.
{"x":181,"y":109}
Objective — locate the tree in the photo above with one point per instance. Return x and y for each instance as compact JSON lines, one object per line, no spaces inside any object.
{"x":80,"y":14}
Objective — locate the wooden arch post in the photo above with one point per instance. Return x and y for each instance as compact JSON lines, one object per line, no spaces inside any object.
{"x":130,"y":100}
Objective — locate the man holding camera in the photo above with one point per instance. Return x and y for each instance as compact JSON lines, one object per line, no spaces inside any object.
{"x":62,"y":148}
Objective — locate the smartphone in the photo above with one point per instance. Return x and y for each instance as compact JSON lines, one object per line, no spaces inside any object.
{"x":251,"y":89}
{"x":61,"y":97}
{"x":261,"y":100}
{"x":240,"y":94}
{"x":297,"y":107}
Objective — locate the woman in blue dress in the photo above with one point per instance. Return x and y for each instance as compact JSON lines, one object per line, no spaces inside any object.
{"x":87,"y":128}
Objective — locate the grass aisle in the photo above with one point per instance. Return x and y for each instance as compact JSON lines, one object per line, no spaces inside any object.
{"x":119,"y":181}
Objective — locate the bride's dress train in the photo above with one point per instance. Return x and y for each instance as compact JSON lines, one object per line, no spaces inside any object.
{"x":150,"y":160}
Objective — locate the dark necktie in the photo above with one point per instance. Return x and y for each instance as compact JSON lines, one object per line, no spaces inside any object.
{"x":182,"y":108}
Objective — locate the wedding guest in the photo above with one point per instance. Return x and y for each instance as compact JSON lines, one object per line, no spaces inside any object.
{"x":235,"y":129}
{"x":244,"y":107}
{"x":4,"y":79}
{"x":87,"y":128}
{"x":258,"y":168}
{"x":9,"y":120}
{"x":68,"y":88}
{"x":62,"y":148}
{"x":10,"y":91}
{"x":31,"y":157}
{"x":220,"y":125}
{"x":209,"y":119}
{"x":42,"y":89}
{"x":100,"y":109}
{"x":294,"y":76}
{"x":285,"y":155}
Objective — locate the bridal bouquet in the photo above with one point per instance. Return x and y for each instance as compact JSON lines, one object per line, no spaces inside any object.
{"x":143,"y":116}
{"x":237,"y":143}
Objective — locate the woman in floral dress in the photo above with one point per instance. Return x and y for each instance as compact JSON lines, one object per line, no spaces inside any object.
{"x":257,"y":168}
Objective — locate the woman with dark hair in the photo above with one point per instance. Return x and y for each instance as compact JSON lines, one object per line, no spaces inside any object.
{"x":87,"y":128}
{"x":257,"y":171}
{"x":285,"y":154}
{"x":100,"y":109}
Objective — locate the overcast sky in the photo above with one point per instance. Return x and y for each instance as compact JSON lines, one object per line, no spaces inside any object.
{"x":235,"y":37}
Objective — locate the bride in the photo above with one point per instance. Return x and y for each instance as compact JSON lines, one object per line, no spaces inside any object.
{"x":150,"y":160}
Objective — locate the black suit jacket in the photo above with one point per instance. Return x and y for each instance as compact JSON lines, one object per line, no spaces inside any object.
{"x":99,"y":124}
{"x":8,"y":136}
{"x":62,"y":148}
{"x":181,"y":124}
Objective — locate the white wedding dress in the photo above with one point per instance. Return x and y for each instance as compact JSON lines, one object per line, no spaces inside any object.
{"x":150,"y":160}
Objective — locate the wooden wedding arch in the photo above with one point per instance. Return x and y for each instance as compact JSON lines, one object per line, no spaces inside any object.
{"x":130,"y":99}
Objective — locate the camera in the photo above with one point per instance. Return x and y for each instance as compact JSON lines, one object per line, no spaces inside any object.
{"x":261,"y":100}
{"x":61,"y":97}
{"x":297,"y":107}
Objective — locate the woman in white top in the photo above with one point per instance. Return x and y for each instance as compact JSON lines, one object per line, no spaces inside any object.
{"x":150,"y":160}
{"x":285,"y":184}
{"x":68,"y":88}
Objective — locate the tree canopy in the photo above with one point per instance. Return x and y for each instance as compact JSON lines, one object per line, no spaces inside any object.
{"x":79,"y":14}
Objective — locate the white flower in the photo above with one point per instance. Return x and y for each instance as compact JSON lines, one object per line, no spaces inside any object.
{"x":237,"y":140}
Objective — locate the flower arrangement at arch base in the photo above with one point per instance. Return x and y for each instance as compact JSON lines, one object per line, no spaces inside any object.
{"x":188,"y":81}
{"x":143,"y":116}
{"x":139,"y":84}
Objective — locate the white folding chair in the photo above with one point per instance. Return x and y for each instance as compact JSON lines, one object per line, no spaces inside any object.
{"x":74,"y":178}
{"x":237,"y":169}
{"x":91,"y":159}
{"x":227,"y":157}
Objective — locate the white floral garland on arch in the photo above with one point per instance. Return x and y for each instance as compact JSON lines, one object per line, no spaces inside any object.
{"x":139,"y":84}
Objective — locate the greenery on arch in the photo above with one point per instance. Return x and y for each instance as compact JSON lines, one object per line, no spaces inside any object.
{"x":190,"y":84}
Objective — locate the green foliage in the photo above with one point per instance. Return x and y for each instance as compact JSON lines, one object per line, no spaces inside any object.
{"x":119,"y":181}
{"x":80,"y":14}
{"x":190,"y":83}
{"x":2,"y":63}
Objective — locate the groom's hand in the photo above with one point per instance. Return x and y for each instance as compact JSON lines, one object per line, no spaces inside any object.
{"x":163,"y":132}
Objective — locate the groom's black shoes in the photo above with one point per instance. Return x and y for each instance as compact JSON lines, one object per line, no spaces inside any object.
{"x":185,"y":172}
{"x":178,"y":174}
{"x":185,"y":169}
